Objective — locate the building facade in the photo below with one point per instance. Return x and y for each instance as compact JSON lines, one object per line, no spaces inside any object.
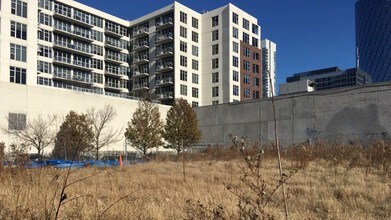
{"x":330,"y":78}
{"x":171,"y":53}
{"x":269,"y":56}
{"x":373,"y":38}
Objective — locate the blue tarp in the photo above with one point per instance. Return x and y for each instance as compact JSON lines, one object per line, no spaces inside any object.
{"x":74,"y":164}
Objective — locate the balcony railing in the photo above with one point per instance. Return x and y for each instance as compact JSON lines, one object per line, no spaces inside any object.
{"x":164,"y":81}
{"x":140,"y":32}
{"x":165,"y":52}
{"x":164,"y":66}
{"x":139,"y":86}
{"x":141,"y":59}
{"x":141,"y":45}
{"x":163,"y":38}
{"x":165,"y":95}
{"x":166,"y":22}
{"x":86,"y":49}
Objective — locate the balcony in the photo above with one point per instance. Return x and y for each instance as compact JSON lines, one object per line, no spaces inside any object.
{"x":165,"y":96}
{"x":118,"y":74}
{"x":164,"y":38}
{"x":140,"y":86}
{"x":143,"y":45}
{"x":114,"y":58}
{"x":82,"y":80}
{"x":164,"y":67}
{"x":115,"y":86}
{"x":74,"y":48}
{"x":142,"y":32}
{"x":82,"y":21}
{"x":165,"y":23}
{"x":82,"y":65}
{"x":113,"y":32}
{"x":114,"y":45}
{"x":63,"y":60}
{"x":165,"y":81}
{"x":140,"y":60}
{"x":63,"y":14}
{"x":137,"y":73}
{"x":166,"y":52}
{"x":69,"y":31}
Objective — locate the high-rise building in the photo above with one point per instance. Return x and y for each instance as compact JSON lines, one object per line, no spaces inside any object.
{"x":175,"y":52}
{"x":269,"y":54}
{"x":327,"y":78}
{"x":373,"y":38}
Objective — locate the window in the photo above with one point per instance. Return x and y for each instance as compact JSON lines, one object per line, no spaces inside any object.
{"x":246,"y":51}
{"x":255,"y":68}
{"x":194,"y":51}
{"x":194,"y":64}
{"x":96,"y":49}
{"x":256,"y":82}
{"x":255,"y":94}
{"x":46,"y":4}
{"x":194,"y":22}
{"x":16,"y":121}
{"x":183,"y":90}
{"x":235,"y":32}
{"x":45,"y":35}
{"x":215,"y":35}
{"x":215,"y":63}
{"x":194,"y":78}
{"x":97,"y":35}
{"x":246,"y":24}
{"x":183,"y":17}
{"x":18,"y":30}
{"x":235,"y":18}
{"x":183,"y":61}
{"x":18,"y":52}
{"x":246,"y":65}
{"x":194,"y":92}
{"x":194,"y":104}
{"x":44,"y":81}
{"x":97,"y":78}
{"x":183,"y":46}
{"x":19,"y":8}
{"x":235,"y":90}
{"x":235,"y":61}
{"x":246,"y":38}
{"x":256,"y":56}
{"x":44,"y":67}
{"x":247,"y":93}
{"x":255,"y":42}
{"x":215,"y":49}
{"x":215,"y":21}
{"x":96,"y":64}
{"x":215,"y":102}
{"x":255,"y":29}
{"x":215,"y":77}
{"x":215,"y":91}
{"x":17,"y":75}
{"x":45,"y":51}
{"x":246,"y":79}
{"x":45,"y":19}
{"x":235,"y":47}
{"x":194,"y":36}
{"x":183,"y":32}
{"x":235,"y":76}
{"x":183,"y":75}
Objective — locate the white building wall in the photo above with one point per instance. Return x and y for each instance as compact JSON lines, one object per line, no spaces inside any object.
{"x":37,"y":100}
{"x":269,"y":51}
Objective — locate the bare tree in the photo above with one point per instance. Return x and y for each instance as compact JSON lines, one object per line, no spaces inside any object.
{"x":39,"y":132}
{"x":104,"y":135}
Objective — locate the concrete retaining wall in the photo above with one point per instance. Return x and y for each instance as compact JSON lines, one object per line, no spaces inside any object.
{"x":358,"y":113}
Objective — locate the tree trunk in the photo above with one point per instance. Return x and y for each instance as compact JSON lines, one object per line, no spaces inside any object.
{"x":97,"y":155}
{"x":39,"y":154}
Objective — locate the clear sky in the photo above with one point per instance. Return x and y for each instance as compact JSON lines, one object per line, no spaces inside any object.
{"x":310,"y":34}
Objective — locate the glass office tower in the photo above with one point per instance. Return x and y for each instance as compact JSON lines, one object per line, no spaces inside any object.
{"x":373,"y":38}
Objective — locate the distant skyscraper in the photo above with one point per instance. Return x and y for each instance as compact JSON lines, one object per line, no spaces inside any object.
{"x":373,"y":38}
{"x":268,"y":66}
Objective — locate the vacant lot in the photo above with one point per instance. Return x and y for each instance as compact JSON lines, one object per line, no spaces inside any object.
{"x":209,"y":188}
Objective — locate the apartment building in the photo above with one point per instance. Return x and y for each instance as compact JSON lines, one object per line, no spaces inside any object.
{"x":269,"y":51}
{"x":175,"y":52}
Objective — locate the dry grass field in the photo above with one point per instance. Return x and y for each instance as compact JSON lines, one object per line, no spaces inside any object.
{"x":322,"y":188}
